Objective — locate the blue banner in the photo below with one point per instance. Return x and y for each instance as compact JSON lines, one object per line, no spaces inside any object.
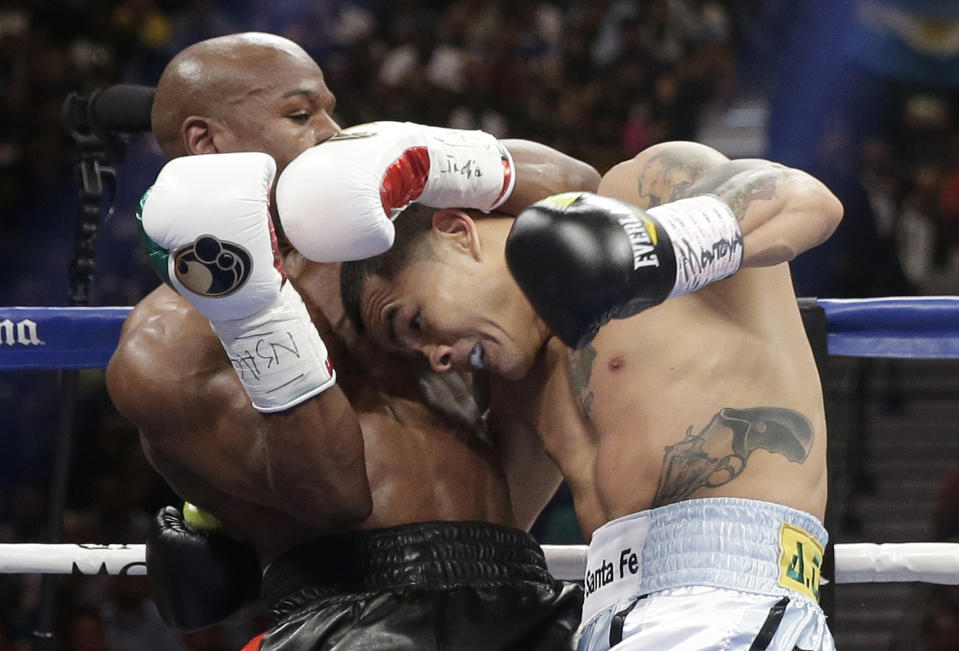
{"x":924,"y":327}
{"x":59,"y":337}
{"x":908,"y":40}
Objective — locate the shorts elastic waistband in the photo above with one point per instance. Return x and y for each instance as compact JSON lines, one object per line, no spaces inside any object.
{"x":431,"y":554}
{"x":732,"y":543}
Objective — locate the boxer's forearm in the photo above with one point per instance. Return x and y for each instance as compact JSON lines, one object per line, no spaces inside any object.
{"x":782,"y":211}
{"x":315,"y":462}
{"x":307,"y":462}
{"x":542,"y":171}
{"x":170,"y":377}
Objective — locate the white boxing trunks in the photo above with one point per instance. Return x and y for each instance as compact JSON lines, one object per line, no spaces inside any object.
{"x":717,"y":573}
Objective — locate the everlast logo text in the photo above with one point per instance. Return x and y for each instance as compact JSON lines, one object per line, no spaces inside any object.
{"x":643,"y":243}
{"x":23,"y":333}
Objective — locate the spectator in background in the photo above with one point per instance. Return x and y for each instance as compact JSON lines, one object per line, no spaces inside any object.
{"x":917,"y":235}
{"x":945,"y":515}
{"x":571,"y":69}
{"x":932,"y":624}
{"x":83,"y":630}
{"x":208,"y":639}
{"x":129,"y":618}
{"x":939,"y":624}
{"x":949,"y":204}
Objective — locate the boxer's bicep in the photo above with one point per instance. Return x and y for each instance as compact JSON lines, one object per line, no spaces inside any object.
{"x":661,"y":173}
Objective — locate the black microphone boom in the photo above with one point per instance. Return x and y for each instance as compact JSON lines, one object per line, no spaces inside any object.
{"x":110,"y":116}
{"x":123,"y":109}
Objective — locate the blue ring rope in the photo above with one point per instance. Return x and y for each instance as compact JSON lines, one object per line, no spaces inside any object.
{"x":898,"y":327}
{"x":924,"y":327}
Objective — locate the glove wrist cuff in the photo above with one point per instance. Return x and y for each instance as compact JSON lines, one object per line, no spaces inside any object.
{"x":277,"y":353}
{"x":706,"y":238}
{"x":468,"y":169}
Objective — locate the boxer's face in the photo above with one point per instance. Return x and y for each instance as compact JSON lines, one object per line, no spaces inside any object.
{"x":461,"y":312}
{"x":281,"y":107}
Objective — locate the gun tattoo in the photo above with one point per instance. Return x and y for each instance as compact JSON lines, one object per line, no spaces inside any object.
{"x":580,"y":370}
{"x":718,"y":454}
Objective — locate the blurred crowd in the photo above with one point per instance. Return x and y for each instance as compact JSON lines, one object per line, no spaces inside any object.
{"x":599,"y":80}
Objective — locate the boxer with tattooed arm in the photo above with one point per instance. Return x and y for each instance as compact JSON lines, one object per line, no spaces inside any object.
{"x":651,"y":337}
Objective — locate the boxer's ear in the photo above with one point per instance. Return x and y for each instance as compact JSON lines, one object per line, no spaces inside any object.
{"x":455,"y":228}
{"x":199,"y":135}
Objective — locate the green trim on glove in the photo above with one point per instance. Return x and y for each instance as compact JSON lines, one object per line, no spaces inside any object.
{"x":157,"y":256}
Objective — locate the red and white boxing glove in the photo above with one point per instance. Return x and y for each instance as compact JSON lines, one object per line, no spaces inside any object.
{"x":336,"y":200}
{"x":210,"y":236}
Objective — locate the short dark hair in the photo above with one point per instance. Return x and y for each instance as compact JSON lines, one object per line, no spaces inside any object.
{"x":454,"y":397}
{"x":412,"y":226}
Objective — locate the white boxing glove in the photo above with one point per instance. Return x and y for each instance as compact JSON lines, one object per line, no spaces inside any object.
{"x":336,"y":200}
{"x":210,"y":236}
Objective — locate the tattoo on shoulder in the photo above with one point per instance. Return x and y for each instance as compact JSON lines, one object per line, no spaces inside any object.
{"x":739,"y":197}
{"x":719,"y":452}
{"x":580,"y":370}
{"x":668,"y":176}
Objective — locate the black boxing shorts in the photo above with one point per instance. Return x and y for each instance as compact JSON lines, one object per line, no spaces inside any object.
{"x":457,"y":586}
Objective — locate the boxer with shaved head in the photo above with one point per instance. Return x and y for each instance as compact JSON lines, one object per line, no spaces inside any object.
{"x":385,"y":511}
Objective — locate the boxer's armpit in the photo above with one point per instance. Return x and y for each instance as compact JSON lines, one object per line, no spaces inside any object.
{"x":719,"y":452}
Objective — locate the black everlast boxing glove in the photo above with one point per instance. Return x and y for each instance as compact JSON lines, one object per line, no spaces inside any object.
{"x":199,"y":578}
{"x":583,"y":259}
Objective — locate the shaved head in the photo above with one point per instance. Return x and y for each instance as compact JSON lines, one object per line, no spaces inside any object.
{"x":212,"y":80}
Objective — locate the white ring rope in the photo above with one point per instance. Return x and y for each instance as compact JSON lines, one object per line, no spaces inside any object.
{"x":36,"y":558}
{"x":855,"y":563}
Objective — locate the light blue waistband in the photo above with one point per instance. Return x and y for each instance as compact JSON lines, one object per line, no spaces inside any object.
{"x":722,"y":542}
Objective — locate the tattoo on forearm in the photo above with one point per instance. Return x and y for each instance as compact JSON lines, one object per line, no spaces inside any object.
{"x":718,"y":454}
{"x":668,"y":176}
{"x":739,"y":196}
{"x":580,"y":370}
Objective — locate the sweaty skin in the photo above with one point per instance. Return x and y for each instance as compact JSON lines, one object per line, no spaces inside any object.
{"x":715,"y":393}
{"x":369,"y":452}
